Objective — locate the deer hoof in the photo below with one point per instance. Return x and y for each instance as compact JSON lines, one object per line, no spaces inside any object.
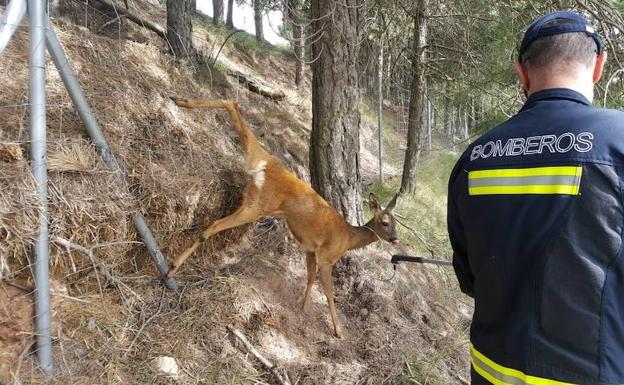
{"x":171,"y":271}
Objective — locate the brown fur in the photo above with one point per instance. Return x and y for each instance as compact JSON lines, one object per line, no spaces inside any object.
{"x":320,"y":229}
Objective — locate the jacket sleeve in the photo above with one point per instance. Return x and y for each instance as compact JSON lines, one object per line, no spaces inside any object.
{"x":457,"y":238}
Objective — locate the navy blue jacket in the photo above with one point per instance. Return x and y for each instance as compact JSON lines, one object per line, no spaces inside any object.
{"x":535,"y":219}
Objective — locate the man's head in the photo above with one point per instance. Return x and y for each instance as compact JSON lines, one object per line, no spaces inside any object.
{"x":560,"y":49}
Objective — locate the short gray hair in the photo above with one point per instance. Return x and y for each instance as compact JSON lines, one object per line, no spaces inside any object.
{"x":562,"y":49}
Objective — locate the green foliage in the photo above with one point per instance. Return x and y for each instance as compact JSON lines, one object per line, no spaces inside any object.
{"x":471,"y":51}
{"x":243,"y":41}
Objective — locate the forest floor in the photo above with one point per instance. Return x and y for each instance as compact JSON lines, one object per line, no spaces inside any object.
{"x":185,"y":170}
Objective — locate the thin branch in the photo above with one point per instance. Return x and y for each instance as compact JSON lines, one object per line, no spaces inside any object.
{"x":282,"y":378}
{"x":98,"y":264}
{"x":416,"y":234}
{"x":132,"y":17}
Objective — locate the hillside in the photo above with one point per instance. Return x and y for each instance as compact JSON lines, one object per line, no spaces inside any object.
{"x":185,"y":170}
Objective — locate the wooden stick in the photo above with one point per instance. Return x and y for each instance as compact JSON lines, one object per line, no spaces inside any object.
{"x":97,"y":263}
{"x":283,"y":379}
{"x":255,"y":86}
{"x":134,"y":18}
{"x":415,"y":233}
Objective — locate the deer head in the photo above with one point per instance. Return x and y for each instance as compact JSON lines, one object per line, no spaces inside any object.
{"x":383,"y":222}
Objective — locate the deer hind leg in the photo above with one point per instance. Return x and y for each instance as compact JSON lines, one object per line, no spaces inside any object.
{"x":311,"y":267}
{"x":243,"y":215}
{"x":326,"y":281}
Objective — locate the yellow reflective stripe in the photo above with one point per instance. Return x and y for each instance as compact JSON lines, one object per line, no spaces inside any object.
{"x":530,"y":189}
{"x":564,"y":180}
{"x":514,"y":376}
{"x":520,"y":172}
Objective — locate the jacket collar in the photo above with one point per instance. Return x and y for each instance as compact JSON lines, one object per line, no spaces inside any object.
{"x":555,"y":93}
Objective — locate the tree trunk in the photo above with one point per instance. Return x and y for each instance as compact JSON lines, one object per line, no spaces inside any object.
{"x":294,"y":10}
{"x":257,"y":6}
{"x":335,"y":141}
{"x":179,"y":27}
{"x":217,"y":12}
{"x":466,"y":128}
{"x":230,"y":12}
{"x":412,"y":153}
{"x":380,"y":110}
{"x":429,"y":124}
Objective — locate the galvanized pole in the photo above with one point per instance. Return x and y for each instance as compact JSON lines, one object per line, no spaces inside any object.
{"x":10,"y":20}
{"x":82,"y":106}
{"x":38,"y":151}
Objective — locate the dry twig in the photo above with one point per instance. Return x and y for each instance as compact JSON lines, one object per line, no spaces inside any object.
{"x":282,"y":378}
{"x":160,"y":31}
{"x":99,"y":265}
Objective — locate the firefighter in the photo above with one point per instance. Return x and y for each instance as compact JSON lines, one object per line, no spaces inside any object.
{"x":536,"y":220}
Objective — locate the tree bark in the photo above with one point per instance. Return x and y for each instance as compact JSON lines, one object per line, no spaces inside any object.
{"x":294,"y":10}
{"x":217,"y":12}
{"x":409,"y":179}
{"x":257,"y":6}
{"x":179,"y":27}
{"x":429,"y":124}
{"x":334,"y":141}
{"x":230,"y":12}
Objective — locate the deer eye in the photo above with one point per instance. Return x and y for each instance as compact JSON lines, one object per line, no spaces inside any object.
{"x":385,"y":223}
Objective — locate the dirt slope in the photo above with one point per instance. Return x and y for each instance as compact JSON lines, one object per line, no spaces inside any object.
{"x":185,"y":171}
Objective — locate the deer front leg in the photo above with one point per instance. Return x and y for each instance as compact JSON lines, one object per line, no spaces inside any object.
{"x":240,"y":217}
{"x":326,"y":281}
{"x":311,"y":267}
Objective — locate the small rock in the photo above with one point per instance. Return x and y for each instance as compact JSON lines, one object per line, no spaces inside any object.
{"x":166,"y":365}
{"x":363,"y":312}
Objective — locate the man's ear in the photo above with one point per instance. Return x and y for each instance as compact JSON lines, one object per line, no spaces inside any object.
{"x":373,"y":203}
{"x":523,"y":76}
{"x":601,"y":59}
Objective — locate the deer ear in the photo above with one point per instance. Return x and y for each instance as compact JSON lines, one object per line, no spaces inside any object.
{"x":392,"y":203}
{"x":373,"y":204}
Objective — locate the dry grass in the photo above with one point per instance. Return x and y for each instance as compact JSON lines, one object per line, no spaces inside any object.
{"x":184,"y":170}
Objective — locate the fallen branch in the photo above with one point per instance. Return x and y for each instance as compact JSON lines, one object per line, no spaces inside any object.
{"x":283,"y":379}
{"x":136,"y":336}
{"x":416,"y":234}
{"x":134,"y":18}
{"x":99,"y":265}
{"x":255,"y":86}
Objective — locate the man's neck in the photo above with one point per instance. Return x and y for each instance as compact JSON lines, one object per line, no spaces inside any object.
{"x":584,"y":88}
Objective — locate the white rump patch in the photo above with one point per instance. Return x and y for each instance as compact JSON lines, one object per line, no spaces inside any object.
{"x":259,"y":174}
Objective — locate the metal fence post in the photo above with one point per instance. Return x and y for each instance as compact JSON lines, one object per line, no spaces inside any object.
{"x":82,"y":106}
{"x":9,"y":20}
{"x":39,"y":160}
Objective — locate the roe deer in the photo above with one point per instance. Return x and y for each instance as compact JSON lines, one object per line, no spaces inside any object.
{"x":273,"y":190}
